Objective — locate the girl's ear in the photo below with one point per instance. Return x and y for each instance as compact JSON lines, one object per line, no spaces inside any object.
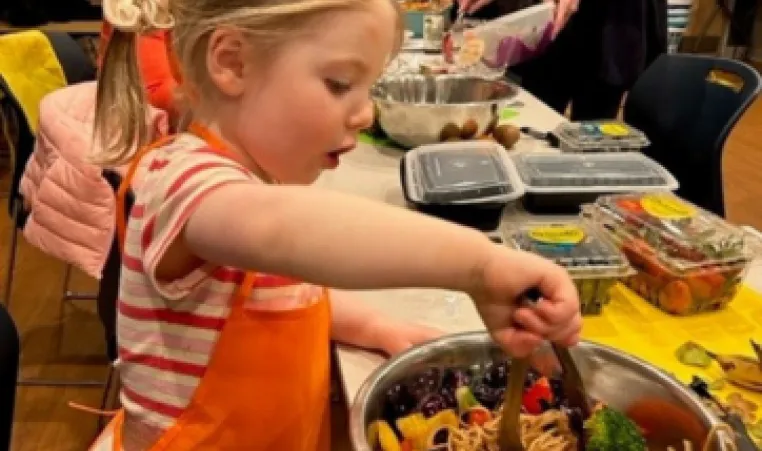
{"x":225,"y":60}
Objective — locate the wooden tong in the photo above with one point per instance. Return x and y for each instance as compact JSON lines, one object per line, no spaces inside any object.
{"x":573,"y":389}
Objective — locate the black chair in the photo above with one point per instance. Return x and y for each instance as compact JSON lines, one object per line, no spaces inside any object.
{"x":687,"y":105}
{"x":9,"y":370}
{"x":108,"y":289}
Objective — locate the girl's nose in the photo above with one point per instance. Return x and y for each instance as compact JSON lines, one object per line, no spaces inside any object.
{"x":363,"y":118}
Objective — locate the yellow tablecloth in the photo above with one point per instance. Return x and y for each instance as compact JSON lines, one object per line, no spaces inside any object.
{"x":631,"y":324}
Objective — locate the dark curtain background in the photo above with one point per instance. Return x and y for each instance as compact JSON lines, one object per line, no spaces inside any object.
{"x":29,"y":13}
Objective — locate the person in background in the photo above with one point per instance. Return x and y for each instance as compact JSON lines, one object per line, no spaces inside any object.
{"x":601,"y":48}
{"x":225,"y":318}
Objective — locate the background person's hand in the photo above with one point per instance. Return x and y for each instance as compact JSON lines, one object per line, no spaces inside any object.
{"x":471,"y":6}
{"x":506,"y":277}
{"x":564,"y":11}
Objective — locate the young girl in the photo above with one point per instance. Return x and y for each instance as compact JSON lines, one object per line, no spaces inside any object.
{"x":222,"y":346}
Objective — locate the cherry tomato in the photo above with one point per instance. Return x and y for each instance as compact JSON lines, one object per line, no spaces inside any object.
{"x":540,"y":391}
{"x":478,"y":417}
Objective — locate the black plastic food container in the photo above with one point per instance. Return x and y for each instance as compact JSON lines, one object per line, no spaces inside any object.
{"x":466,"y":183}
{"x":561,"y":183}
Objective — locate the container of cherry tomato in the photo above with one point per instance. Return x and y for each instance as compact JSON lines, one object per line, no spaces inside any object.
{"x":687,"y":260}
{"x":591,"y":258}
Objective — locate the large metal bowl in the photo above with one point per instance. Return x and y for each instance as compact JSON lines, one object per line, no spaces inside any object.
{"x":413,"y":109}
{"x":610,"y":376}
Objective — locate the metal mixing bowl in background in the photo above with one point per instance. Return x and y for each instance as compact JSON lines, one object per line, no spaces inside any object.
{"x":414,"y":109}
{"x":610,"y":376}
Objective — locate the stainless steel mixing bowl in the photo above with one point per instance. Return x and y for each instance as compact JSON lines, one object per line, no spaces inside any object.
{"x":609,"y":375}
{"x":413,"y":109}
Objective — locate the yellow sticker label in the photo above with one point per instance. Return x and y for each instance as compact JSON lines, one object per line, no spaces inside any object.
{"x":613,"y":129}
{"x":667,"y":207}
{"x":568,"y":235}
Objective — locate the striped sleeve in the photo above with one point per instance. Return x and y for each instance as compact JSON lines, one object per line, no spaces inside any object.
{"x":185,"y":183}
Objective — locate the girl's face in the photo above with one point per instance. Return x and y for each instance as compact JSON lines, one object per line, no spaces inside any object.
{"x":297,"y":116}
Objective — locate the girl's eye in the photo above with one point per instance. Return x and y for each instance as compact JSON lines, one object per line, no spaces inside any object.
{"x":337,"y":87}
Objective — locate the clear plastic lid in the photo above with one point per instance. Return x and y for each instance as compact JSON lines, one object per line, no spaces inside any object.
{"x":684,"y":236}
{"x":600,"y":136}
{"x":461,"y":172}
{"x":554,"y":173}
{"x":577,"y":246}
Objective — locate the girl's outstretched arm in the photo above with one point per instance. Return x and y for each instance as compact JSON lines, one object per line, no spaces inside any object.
{"x":214,"y":215}
{"x":333,"y":239}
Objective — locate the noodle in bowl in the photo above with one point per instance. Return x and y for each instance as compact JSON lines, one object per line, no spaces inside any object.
{"x":610,"y":376}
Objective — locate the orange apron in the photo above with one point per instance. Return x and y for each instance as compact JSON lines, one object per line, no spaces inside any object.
{"x":267,"y":385}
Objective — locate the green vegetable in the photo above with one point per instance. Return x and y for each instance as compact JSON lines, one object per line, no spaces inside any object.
{"x":610,"y":430}
{"x":755,"y":430}
{"x":604,"y":286}
{"x":718,"y":384}
{"x":466,"y":399}
{"x":692,"y":354}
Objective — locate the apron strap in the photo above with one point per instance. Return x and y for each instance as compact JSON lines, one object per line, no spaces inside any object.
{"x":246,"y":286}
{"x":124,"y":187}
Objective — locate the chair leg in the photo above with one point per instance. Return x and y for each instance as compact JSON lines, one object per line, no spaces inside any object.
{"x":12,"y":250}
{"x":67,"y":295}
{"x":110,"y":400}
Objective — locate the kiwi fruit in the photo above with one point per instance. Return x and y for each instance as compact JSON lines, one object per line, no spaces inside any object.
{"x":449,"y":131}
{"x":492,"y":124}
{"x":506,"y":135}
{"x":469,"y":129}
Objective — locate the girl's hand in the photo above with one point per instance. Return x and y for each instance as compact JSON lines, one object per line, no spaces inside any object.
{"x":395,"y":337}
{"x":497,"y":293}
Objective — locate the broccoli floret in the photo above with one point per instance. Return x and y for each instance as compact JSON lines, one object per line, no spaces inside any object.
{"x":610,"y":430}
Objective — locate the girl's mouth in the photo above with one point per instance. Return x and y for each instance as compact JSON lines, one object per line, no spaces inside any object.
{"x":333,"y":157}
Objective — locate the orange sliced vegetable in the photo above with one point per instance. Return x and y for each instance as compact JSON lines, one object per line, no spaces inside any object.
{"x":707,"y":285}
{"x":630,"y":205}
{"x":676,"y":298}
{"x":407,"y":445}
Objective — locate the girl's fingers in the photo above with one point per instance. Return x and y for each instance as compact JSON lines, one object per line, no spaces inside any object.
{"x":567,"y":334}
{"x":557,"y":312}
{"x":518,"y":343}
{"x":528,"y":319}
{"x":552,"y":321}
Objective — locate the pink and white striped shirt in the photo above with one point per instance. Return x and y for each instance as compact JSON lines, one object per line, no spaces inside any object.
{"x":167,"y":331}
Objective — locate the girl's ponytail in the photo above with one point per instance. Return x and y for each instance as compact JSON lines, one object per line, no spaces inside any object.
{"x":121,"y":107}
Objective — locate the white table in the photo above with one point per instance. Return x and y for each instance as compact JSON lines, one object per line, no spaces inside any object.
{"x":374,"y":173}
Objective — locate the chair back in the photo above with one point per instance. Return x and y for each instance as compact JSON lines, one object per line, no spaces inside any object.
{"x":108,"y":288}
{"x":9,"y":368}
{"x":77,"y":67}
{"x":687,"y":105}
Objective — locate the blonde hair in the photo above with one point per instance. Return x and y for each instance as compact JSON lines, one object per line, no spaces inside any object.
{"x":121,"y":105}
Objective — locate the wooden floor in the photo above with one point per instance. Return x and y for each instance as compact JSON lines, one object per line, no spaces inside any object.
{"x":67,"y":342}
